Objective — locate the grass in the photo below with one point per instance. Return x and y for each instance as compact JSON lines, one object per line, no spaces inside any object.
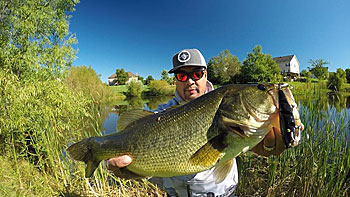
{"x":319,"y":166}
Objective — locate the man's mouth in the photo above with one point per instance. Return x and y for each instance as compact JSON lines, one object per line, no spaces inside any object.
{"x":191,"y":90}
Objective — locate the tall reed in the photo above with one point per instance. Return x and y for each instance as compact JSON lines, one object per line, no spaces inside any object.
{"x":319,"y":166}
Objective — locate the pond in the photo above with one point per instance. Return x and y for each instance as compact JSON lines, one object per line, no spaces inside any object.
{"x":149,"y":103}
{"x":330,"y":107}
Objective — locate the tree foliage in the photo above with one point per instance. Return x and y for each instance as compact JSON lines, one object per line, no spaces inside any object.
{"x":141,"y":79}
{"x":223,"y":68}
{"x":85,"y":80}
{"x":317,"y":68}
{"x":148,"y":80}
{"x":34,"y":35}
{"x":122,"y":76}
{"x":336,"y":80}
{"x":347,"y":71}
{"x":260,"y":67}
{"x":166,"y":77}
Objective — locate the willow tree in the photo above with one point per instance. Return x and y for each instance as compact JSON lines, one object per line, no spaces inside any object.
{"x":34,"y":36}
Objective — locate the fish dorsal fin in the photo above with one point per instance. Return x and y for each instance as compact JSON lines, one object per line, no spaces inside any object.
{"x":209,"y":154}
{"x":221,"y":171}
{"x":131,"y":116}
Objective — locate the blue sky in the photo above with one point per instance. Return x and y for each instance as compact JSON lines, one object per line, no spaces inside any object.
{"x":142,"y":36}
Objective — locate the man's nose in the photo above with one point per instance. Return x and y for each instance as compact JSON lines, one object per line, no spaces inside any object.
{"x":190,"y":81}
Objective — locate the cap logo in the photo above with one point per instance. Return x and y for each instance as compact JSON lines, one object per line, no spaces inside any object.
{"x":183,"y":56}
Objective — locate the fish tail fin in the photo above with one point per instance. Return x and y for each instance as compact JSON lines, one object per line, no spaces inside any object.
{"x":81,"y":151}
{"x":221,"y":171}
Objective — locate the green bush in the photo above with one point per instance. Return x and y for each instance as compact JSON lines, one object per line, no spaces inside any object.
{"x":38,"y":118}
{"x":161,"y":87}
{"x":84,"y":79}
{"x":336,"y":80}
{"x":134,"y":89}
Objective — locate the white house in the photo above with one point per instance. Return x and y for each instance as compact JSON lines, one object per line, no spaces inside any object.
{"x":112,"y":80}
{"x":289,"y":65}
{"x":132,"y":77}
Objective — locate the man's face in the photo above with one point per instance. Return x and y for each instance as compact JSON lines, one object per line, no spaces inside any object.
{"x":191,"y":89}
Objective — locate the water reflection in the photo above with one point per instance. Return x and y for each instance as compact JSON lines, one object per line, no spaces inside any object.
{"x":148,"y":103}
{"x":328,"y":107}
{"x":325,"y":101}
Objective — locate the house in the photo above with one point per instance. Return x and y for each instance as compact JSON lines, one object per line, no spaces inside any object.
{"x":289,"y":65}
{"x":112,"y":80}
{"x":132,"y":77}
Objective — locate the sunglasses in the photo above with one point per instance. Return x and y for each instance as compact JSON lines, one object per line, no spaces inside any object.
{"x":194,"y":75}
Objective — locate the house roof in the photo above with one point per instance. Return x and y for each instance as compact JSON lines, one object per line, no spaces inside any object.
{"x":283,"y":58}
{"x":131,"y":74}
{"x":112,"y":76}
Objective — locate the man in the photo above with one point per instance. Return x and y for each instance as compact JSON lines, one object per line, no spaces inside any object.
{"x":189,"y":68}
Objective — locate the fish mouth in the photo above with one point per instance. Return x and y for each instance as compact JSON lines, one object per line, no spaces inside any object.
{"x":244,"y":130}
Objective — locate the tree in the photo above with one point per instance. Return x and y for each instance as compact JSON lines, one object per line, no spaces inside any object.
{"x":122,"y":76}
{"x":347,"y":71}
{"x":165,"y":77}
{"x":318,"y":69}
{"x":141,"y":79}
{"x":336,"y":80}
{"x":223,"y":68}
{"x":303,"y":73}
{"x":148,"y":80}
{"x":260,"y":67}
{"x":34,"y":36}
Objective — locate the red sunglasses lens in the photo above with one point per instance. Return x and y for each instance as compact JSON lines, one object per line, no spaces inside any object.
{"x":197,"y":75}
{"x":181,"y":76}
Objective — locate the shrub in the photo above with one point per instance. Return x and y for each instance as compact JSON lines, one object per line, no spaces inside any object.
{"x":161,"y":87}
{"x":85,"y":80}
{"x":36,"y":119}
{"x":134,"y":89}
{"x":336,"y":80}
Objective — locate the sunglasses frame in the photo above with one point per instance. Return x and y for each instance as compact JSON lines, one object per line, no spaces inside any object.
{"x":189,"y":74}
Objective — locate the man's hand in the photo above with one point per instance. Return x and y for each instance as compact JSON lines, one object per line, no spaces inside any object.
{"x":115,"y":163}
{"x":272,"y":144}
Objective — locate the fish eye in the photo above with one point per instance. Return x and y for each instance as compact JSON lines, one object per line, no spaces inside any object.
{"x":261,"y":87}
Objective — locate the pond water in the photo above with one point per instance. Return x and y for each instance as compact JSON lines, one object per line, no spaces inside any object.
{"x":149,"y":103}
{"x":330,"y":107}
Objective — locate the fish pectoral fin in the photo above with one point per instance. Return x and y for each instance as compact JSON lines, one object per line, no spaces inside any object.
{"x":209,"y":154}
{"x":127,"y":174}
{"x":91,"y":166}
{"x":130,"y":116}
{"x":221,"y":171}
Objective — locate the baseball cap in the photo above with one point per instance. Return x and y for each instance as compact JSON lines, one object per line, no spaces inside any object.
{"x":188,"y":57}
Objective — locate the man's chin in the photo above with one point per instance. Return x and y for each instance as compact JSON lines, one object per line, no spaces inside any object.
{"x":191,"y":96}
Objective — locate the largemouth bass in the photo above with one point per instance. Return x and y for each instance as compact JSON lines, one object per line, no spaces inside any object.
{"x":208,"y":131}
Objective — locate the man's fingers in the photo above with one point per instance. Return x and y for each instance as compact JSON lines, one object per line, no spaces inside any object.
{"x":272,"y":144}
{"x":118,"y":162}
{"x":269,"y":140}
